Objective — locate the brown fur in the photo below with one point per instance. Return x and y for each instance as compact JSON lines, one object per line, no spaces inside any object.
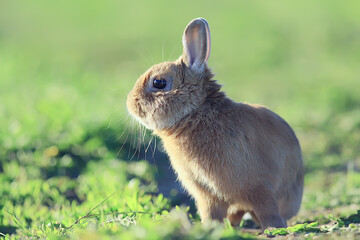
{"x":231,"y":157}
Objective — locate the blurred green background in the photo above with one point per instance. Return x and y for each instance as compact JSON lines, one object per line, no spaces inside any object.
{"x":66,"y":140}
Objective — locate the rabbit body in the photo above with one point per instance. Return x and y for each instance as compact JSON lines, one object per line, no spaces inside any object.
{"x":231,"y":157}
{"x":235,"y":158}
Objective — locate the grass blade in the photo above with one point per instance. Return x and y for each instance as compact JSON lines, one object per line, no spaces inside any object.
{"x":18,"y":223}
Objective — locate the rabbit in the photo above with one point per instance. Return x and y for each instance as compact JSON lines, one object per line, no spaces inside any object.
{"x":231,"y":157}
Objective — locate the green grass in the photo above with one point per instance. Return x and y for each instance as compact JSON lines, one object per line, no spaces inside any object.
{"x":70,"y":164}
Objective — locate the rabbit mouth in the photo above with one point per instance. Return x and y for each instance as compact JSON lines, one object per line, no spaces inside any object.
{"x":146,"y":119}
{"x":152,"y":124}
{"x":155,"y":121}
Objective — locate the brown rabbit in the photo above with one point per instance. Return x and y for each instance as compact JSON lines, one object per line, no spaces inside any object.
{"x":231,"y":157}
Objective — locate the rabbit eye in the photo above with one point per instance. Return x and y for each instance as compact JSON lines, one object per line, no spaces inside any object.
{"x":159,"y":83}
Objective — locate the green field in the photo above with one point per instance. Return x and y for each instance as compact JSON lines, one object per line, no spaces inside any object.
{"x":72,"y":161}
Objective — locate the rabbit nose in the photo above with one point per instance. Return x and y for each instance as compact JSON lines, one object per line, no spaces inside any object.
{"x":133,"y":105}
{"x":130,"y":101}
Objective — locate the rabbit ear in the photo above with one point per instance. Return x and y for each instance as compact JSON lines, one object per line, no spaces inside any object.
{"x":196,"y":43}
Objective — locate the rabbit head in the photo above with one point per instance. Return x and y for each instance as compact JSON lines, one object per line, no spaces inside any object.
{"x":169,"y":91}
